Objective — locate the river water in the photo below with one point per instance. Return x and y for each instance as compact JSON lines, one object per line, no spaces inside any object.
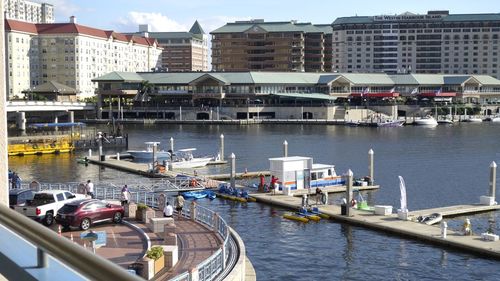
{"x":445,"y":165}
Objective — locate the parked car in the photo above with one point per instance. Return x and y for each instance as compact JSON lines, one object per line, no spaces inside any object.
{"x":45,"y":205}
{"x":84,"y":213}
{"x":20,"y":196}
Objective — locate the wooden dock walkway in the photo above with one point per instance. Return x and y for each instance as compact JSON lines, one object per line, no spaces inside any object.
{"x":392,"y":224}
{"x":457,"y":210}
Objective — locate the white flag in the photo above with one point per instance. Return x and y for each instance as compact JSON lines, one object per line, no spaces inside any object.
{"x":402,"y":187}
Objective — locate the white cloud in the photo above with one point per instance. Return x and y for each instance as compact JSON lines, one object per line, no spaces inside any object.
{"x":64,"y":9}
{"x":156,"y":21}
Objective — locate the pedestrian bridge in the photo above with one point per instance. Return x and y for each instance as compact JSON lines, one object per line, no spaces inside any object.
{"x":28,"y":106}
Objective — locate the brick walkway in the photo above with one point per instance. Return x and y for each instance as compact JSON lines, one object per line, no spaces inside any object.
{"x":197,"y":244}
{"x":125,"y":245}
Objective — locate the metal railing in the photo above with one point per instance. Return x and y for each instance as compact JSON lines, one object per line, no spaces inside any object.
{"x":214,"y":265}
{"x":149,"y":194}
{"x":49,"y":244}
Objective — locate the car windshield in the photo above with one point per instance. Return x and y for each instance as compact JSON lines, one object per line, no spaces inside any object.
{"x":67,"y":209}
{"x":42,"y":199}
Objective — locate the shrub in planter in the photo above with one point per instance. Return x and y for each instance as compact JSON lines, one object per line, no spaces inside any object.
{"x":156,"y":254}
{"x":141,"y":208}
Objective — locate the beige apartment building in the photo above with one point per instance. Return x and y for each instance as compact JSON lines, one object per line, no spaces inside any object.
{"x":182,"y":51}
{"x":436,"y":42}
{"x":29,"y":11}
{"x":272,"y":46}
{"x":71,"y":54}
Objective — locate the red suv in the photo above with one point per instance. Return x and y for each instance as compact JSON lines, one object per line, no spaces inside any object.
{"x":85,"y":212}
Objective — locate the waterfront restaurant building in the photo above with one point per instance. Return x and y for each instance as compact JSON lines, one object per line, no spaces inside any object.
{"x":240,"y":95}
{"x":436,"y":42}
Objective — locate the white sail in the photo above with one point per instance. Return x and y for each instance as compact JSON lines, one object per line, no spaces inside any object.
{"x":402,"y":187}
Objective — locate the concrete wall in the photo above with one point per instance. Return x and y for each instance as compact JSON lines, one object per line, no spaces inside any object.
{"x":4,"y":186}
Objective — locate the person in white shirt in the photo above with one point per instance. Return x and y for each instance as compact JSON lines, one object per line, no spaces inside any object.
{"x":90,"y":189}
{"x":168,"y":211}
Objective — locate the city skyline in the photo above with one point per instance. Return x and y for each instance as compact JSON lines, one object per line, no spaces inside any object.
{"x":168,"y":15}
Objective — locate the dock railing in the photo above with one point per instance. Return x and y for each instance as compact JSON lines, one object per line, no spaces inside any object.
{"x":213,"y":266}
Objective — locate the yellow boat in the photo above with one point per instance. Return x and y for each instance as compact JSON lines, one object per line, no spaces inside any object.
{"x":295,"y":217}
{"x":40,"y":146}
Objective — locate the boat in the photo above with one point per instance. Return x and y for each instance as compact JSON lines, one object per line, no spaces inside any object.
{"x":445,"y":122}
{"x":304,"y":213}
{"x":299,"y":173}
{"x":315,"y":211}
{"x":495,"y":118}
{"x":390,"y":123}
{"x":183,"y":159}
{"x":430,"y":219}
{"x":39,"y":146}
{"x":426,"y":121}
{"x":199,"y":194}
{"x":147,"y":154}
{"x":473,"y":120}
{"x":295,"y":217}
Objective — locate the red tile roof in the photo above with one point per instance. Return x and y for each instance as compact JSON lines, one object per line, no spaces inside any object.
{"x":72,"y":28}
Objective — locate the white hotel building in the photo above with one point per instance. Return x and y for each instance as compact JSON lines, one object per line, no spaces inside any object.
{"x":29,"y":11}
{"x":437,"y":42}
{"x":71,"y":54}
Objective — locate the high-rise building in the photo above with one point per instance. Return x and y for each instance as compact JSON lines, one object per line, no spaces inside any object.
{"x":71,"y":54}
{"x":272,"y":46}
{"x":436,"y":42}
{"x":182,"y":51}
{"x":29,"y":11}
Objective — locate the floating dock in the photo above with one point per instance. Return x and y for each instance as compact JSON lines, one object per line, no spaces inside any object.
{"x":392,"y":224}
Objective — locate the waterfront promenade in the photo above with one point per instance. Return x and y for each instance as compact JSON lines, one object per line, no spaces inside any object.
{"x":407,"y":228}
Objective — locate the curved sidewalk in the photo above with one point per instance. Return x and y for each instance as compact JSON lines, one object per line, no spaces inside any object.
{"x":125,"y":245}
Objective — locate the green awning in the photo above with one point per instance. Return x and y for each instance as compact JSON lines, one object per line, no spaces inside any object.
{"x":313,"y":96}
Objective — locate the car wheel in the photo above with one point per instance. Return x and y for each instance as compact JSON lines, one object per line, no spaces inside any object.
{"x":49,"y":219}
{"x":117,"y":217}
{"x":85,"y":224}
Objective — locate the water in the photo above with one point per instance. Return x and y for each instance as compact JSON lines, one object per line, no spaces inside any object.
{"x":442,"y":166}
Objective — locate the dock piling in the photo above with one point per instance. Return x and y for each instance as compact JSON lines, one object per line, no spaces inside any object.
{"x":221,"y":147}
{"x":493,"y":179}
{"x":349,"y":192}
{"x":172,"y":144}
{"x":285,"y":149}
{"x":370,"y":167}
{"x":232,"y":157}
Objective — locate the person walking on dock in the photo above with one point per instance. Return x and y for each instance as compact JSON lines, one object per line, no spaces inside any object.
{"x":90,"y":189}
{"x":179,"y":203}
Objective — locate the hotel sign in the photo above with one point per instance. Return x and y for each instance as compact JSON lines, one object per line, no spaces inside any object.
{"x":407,"y":17}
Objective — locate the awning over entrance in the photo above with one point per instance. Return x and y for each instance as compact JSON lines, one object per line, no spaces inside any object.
{"x":314,"y":96}
{"x":435,"y":94}
{"x":377,"y":95}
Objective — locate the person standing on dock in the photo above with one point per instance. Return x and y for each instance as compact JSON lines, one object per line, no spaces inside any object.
{"x":179,"y":203}
{"x":273,"y":183}
{"x":125,"y":195}
{"x":168,"y":211}
{"x":90,"y":189}
{"x":261,"y":182}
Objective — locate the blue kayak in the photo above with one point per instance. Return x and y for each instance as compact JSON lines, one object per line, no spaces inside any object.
{"x":199,"y":194}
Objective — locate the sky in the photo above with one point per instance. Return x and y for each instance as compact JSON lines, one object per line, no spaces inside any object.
{"x":179,"y":15}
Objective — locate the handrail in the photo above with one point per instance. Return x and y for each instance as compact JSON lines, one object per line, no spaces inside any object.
{"x":83,"y":261}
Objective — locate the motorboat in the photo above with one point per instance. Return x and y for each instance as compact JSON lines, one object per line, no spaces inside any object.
{"x":390,"y":123}
{"x":426,"y":121}
{"x":430,"y":219}
{"x":445,"y":121}
{"x":495,"y":118}
{"x":199,"y":194}
{"x":148,"y":152}
{"x":184,"y":159}
{"x":473,"y":120}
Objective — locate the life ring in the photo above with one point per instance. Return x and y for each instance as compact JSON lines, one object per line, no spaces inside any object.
{"x":324,"y":198}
